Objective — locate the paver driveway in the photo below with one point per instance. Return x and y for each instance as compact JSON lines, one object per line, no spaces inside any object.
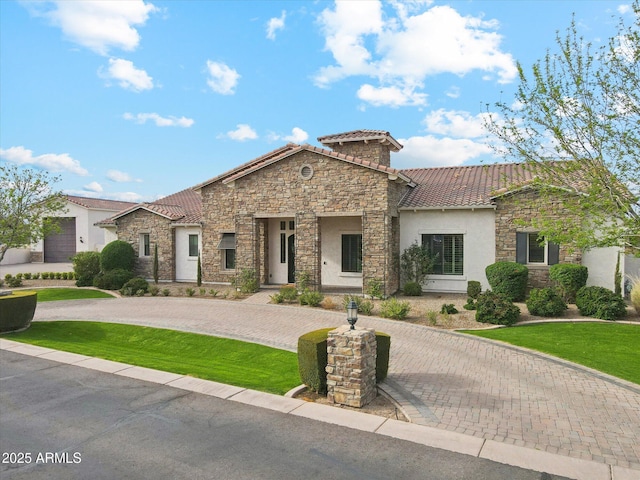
{"x":443,"y":379}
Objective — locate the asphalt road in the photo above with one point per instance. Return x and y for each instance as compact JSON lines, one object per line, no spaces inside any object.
{"x":63,"y":422}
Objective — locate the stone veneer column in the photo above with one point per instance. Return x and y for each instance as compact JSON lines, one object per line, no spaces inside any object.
{"x":351,"y":366}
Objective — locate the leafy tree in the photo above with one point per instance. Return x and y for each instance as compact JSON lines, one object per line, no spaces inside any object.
{"x":581,"y":104}
{"x":415,"y":263}
{"x":28,"y":206}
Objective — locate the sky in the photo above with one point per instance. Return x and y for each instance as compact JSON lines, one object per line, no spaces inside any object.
{"x":135,"y":100}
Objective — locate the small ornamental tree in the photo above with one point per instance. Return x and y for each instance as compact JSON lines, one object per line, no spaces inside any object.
{"x":415,"y":263}
{"x":155,"y":264}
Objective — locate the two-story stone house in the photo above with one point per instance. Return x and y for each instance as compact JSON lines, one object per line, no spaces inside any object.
{"x":342,"y":215}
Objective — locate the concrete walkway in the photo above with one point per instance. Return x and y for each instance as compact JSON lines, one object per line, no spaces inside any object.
{"x":448,"y":381}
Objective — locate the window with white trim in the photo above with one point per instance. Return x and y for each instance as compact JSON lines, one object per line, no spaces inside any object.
{"x":447,"y":251}
{"x":145,"y":245}
{"x":194,"y":251}
{"x":532,"y":250}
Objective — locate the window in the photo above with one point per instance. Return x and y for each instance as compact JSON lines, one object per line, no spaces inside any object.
{"x":352,"y":253}
{"x":194,"y":251}
{"x":283,"y":248}
{"x":145,"y":245}
{"x":529,"y":250}
{"x":228,"y":245}
{"x":448,"y":253}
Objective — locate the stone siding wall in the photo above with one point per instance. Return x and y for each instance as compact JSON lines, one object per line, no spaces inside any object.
{"x":279,"y":190}
{"x":373,"y":151}
{"x":511,"y":210}
{"x":129,"y":229}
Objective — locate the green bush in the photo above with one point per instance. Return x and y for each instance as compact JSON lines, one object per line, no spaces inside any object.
{"x":347,"y":298}
{"x":117,"y":255}
{"x":311,"y":298}
{"x":366,"y":307}
{"x":134,"y":285}
{"x":470,"y":305}
{"x":247,"y":281}
{"x":496,"y":308}
{"x":383,"y":349}
{"x":570,"y":278}
{"x":166,"y":292}
{"x":448,"y":308}
{"x":17,"y":310}
{"x":191,"y":292}
{"x":545,"y":302}
{"x":509,"y":279}
{"x":289,"y":293}
{"x":312,"y":359}
{"x":154,"y":290}
{"x":600,"y":303}
{"x":393,"y":308}
{"x":112,"y":279}
{"x":412,"y":289}
{"x":473,"y":289}
{"x":13,"y":282}
{"x":45,"y":275}
{"x":375,"y":288}
{"x":27,"y":276}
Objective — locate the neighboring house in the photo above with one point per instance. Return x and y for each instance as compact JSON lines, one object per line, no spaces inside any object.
{"x":77,"y":230}
{"x":342,"y":215}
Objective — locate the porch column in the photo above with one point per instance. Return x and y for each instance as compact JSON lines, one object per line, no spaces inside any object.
{"x":247,"y":243}
{"x":308,"y":247}
{"x":377,"y":245}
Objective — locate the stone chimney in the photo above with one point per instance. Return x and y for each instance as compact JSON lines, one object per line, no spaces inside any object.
{"x":373,"y":145}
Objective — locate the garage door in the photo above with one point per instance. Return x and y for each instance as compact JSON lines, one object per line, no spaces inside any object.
{"x":60,"y":247}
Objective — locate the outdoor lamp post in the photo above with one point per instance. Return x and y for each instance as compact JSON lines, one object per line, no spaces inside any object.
{"x":352,"y":314}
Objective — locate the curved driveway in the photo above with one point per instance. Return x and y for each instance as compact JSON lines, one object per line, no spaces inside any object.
{"x":442,"y":379}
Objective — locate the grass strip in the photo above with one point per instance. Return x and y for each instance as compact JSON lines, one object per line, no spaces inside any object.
{"x":55,"y":294}
{"x":223,"y":360}
{"x":612,"y":348}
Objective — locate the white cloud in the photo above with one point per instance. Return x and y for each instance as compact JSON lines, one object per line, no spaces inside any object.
{"x":391,"y":96}
{"x":98,"y":25}
{"x":297,"y":136}
{"x":242,"y":133}
{"x":127,"y":75}
{"x":401,"y":51}
{"x":430,"y":151}
{"x":121,"y":177}
{"x":169,"y":121}
{"x":624,"y":8}
{"x":222,"y":78}
{"x":53,"y":162}
{"x":455,"y":123}
{"x":93,"y":187}
{"x":275,"y":24}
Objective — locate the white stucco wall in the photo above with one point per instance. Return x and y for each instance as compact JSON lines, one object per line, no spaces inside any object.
{"x":331,"y":231}
{"x":601,"y":263}
{"x":478,"y":228}
{"x":15,"y":256}
{"x":186,"y":266}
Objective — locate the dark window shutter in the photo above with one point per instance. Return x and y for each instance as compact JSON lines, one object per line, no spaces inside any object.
{"x":521,"y":247}
{"x":554,"y":253}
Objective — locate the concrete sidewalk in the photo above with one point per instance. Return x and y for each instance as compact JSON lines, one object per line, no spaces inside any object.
{"x":451,"y":441}
{"x":443,"y":380}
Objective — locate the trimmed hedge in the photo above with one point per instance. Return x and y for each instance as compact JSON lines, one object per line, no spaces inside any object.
{"x":509,"y":279}
{"x":117,"y":255}
{"x":113,"y":279}
{"x":570,"y":278}
{"x":412,"y":289}
{"x":17,"y":310}
{"x":601,"y":303}
{"x":86,"y":265}
{"x":312,"y":358}
{"x":134,"y":285}
{"x":496,"y":308}
{"x":545,"y":302}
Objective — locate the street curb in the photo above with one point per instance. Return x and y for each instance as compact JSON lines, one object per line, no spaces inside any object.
{"x":513,"y":455}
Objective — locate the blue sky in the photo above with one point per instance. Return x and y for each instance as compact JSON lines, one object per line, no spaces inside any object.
{"x":134,"y":100}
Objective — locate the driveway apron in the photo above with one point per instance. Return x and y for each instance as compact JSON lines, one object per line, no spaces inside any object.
{"x":442,"y":379}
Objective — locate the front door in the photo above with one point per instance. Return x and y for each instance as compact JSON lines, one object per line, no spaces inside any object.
{"x":291,"y":259}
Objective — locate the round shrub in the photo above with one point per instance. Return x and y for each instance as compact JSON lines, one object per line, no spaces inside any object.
{"x":509,"y":279}
{"x":601,"y":303}
{"x":545,"y":302}
{"x":570,"y":278}
{"x":117,"y":255}
{"x":86,"y":265}
{"x":134,"y":285}
{"x":412,"y":289}
{"x":393,"y":308}
{"x":112,"y":279}
{"x":473,"y":289}
{"x":496,"y":308}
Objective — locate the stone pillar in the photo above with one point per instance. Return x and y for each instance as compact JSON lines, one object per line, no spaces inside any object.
{"x":351,"y":366}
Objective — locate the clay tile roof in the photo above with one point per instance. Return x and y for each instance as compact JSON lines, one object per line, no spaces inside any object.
{"x":463,"y":186}
{"x":99,"y":203}
{"x":359,"y":136}
{"x":184,"y":207}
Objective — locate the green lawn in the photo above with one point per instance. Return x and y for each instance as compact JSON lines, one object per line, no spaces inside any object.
{"x":611,"y":348}
{"x":222,"y":360}
{"x":54,"y":294}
